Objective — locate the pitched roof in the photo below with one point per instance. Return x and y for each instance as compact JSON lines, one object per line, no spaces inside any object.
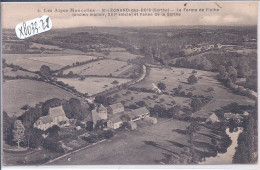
{"x":101,"y":108}
{"x":140,"y":111}
{"x":45,"y":119}
{"x":94,"y":117}
{"x":116,"y":106}
{"x":131,"y":115}
{"x":115,"y":119}
{"x":56,"y":111}
{"x":213,"y":117}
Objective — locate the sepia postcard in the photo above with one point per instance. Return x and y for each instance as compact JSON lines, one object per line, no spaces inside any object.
{"x":129,"y":83}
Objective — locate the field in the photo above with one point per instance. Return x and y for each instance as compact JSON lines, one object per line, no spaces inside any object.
{"x":10,"y":72}
{"x":103,"y":68}
{"x":92,"y":85}
{"x":129,"y":97}
{"x":17,"y":93}
{"x":132,"y":147}
{"x":178,"y":76}
{"x":33,"y":62}
{"x":48,"y":47}
{"x":123,"y":56}
{"x":63,"y":60}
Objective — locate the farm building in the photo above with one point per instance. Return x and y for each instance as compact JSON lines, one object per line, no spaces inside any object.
{"x":56,"y":116}
{"x":43,"y":123}
{"x":115,"y":108}
{"x":132,"y":116}
{"x":235,"y":117}
{"x":132,"y":125}
{"x":152,"y":120}
{"x":212,"y":118}
{"x":92,"y":119}
{"x":102,"y":111}
{"x":141,"y":112}
{"x":114,"y":122}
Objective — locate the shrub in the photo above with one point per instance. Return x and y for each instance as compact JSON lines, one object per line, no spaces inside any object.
{"x":52,"y":145}
{"x":108,"y":134}
{"x":161,"y":86}
{"x":192,"y":79}
{"x":25,"y":107}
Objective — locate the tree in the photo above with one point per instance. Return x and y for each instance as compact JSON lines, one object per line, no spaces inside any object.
{"x":192,"y":79}
{"x":240,"y":155}
{"x":161,"y":86}
{"x":45,"y":70}
{"x":34,"y":137}
{"x":31,"y":115}
{"x":76,"y":108}
{"x":102,"y":99}
{"x":115,"y":82}
{"x":196,"y":104}
{"x":232,"y":73}
{"x":54,"y":102}
{"x":140,"y":103}
{"x":25,"y":107}
{"x":18,"y":132}
{"x":54,"y":132}
{"x":7,"y":128}
{"x":243,"y":69}
{"x":191,"y":129}
{"x":67,"y":109}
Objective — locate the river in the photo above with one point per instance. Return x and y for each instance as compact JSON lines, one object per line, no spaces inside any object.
{"x":225,"y":158}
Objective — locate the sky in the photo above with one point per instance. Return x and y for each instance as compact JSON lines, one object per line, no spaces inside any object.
{"x":230,"y":13}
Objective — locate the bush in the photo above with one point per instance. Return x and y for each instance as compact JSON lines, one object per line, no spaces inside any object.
{"x":161,"y":86}
{"x":25,"y":107}
{"x":108,"y":134}
{"x":53,"y":145}
{"x":192,"y":79}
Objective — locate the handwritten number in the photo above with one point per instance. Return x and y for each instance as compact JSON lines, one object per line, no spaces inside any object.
{"x":24,"y":28}
{"x":47,"y":20}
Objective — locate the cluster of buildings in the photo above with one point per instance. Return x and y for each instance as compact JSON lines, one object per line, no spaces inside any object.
{"x":56,"y":116}
{"x":238,"y":118}
{"x":112,"y":117}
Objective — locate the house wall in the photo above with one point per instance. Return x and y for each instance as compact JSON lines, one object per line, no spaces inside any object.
{"x":113,"y":125}
{"x":114,"y":111}
{"x":103,"y":115}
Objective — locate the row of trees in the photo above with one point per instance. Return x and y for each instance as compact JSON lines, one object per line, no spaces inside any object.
{"x":246,"y":151}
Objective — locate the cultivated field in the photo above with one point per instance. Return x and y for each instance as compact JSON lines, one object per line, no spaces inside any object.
{"x":103,"y":68}
{"x":178,"y":76}
{"x":10,"y":72}
{"x":17,"y":93}
{"x":33,"y":62}
{"x":132,"y":147}
{"x":129,"y":97}
{"x":93,"y":85}
{"x":123,"y":56}
{"x":48,"y":47}
{"x":63,"y":60}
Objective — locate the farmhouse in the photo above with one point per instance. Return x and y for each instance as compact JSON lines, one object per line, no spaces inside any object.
{"x":92,"y":117}
{"x":43,"y":123}
{"x":141,"y":112}
{"x":101,"y":111}
{"x":132,"y":116}
{"x":114,"y":122}
{"x":56,"y":116}
{"x":115,"y":108}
